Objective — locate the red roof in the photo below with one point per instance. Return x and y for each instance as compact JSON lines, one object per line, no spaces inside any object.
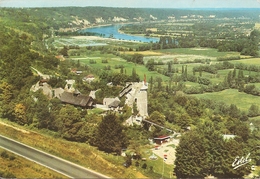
{"x":162,"y":137}
{"x":90,"y":76}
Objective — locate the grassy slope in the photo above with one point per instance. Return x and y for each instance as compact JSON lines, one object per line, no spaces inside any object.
{"x":22,"y":168}
{"x":80,"y":153}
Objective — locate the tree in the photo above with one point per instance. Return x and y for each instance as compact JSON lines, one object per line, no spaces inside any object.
{"x":229,"y":78}
{"x":69,"y":122}
{"x":20,"y":114}
{"x":19,"y":72}
{"x":203,"y":151}
{"x":6,"y":97}
{"x":191,"y":156}
{"x":151,"y":82}
{"x":135,"y":77}
{"x":128,"y":161}
{"x":234,"y":73}
{"x":253,"y":111}
{"x":233,"y":148}
{"x":169,"y":66}
{"x":150,"y":65}
{"x":234,"y":111}
{"x":110,"y":136}
{"x":138,"y":58}
{"x":159,"y":81}
{"x":42,"y":112}
{"x":183,"y":120}
{"x":157,"y":118}
{"x":64,"y":51}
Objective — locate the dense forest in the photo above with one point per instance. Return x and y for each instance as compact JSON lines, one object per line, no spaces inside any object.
{"x":202,"y":151}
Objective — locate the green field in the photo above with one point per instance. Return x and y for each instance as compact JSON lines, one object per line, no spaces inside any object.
{"x":249,"y":61}
{"x":128,"y":66}
{"x":207,"y":52}
{"x":257,"y":85}
{"x":232,"y":96}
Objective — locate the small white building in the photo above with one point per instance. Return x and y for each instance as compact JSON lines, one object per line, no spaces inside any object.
{"x":111,"y":102}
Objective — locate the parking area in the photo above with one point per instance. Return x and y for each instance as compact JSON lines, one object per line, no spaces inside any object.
{"x":167,"y":149}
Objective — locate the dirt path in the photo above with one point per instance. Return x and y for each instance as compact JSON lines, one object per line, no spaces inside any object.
{"x":41,"y":74}
{"x":16,"y":128}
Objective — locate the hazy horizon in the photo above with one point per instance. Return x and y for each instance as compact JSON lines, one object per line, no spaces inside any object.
{"x":196,"y":4}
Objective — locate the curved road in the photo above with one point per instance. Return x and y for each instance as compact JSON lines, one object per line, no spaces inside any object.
{"x":57,"y":164}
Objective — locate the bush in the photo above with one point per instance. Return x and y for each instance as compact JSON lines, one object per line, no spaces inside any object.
{"x":228,"y":58}
{"x":4,"y":154}
{"x":92,"y":61}
{"x":9,"y":175}
{"x":12,"y":157}
{"x":105,"y":61}
{"x":203,"y":81}
{"x":144,"y":166}
{"x":193,"y":90}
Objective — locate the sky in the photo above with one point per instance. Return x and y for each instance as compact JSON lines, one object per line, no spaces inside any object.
{"x":135,"y":3}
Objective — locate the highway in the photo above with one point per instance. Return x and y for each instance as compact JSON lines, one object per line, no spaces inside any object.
{"x":57,"y":164}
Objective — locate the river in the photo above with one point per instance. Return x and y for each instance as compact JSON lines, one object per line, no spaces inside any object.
{"x":111,"y":31}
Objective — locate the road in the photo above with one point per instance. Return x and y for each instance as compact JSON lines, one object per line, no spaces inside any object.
{"x":57,"y":164}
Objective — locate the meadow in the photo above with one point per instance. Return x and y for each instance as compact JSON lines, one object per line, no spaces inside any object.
{"x":114,"y":62}
{"x":206,"y":52}
{"x":231,"y":96}
{"x":249,"y":61}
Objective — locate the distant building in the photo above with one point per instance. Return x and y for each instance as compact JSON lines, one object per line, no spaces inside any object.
{"x":60,"y":57}
{"x":228,"y":136}
{"x":125,"y":90}
{"x":119,"y":19}
{"x":171,"y":17}
{"x":210,"y":177}
{"x":57,"y":92}
{"x":45,"y":87}
{"x":152,"y":17}
{"x":78,"y":72}
{"x":152,"y":29}
{"x":77,"y":99}
{"x":69,"y":86}
{"x":184,"y":17}
{"x":89,"y":78}
{"x":161,"y":139}
{"x":111,"y":102}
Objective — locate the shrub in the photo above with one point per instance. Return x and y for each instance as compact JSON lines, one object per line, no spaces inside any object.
{"x":228,"y":58}
{"x":4,"y":154}
{"x":12,"y":157}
